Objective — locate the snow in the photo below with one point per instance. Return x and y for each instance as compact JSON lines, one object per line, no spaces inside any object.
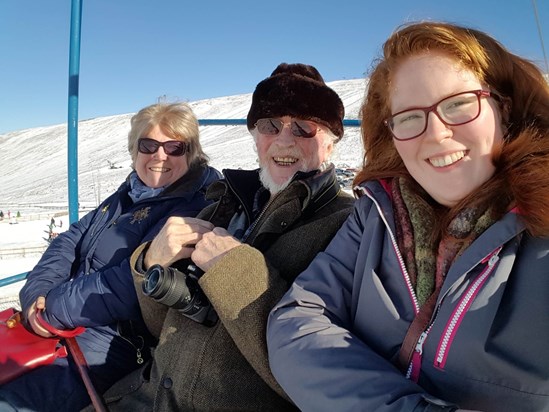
{"x":21,"y":246}
{"x":11,"y":267}
{"x":34,"y":168}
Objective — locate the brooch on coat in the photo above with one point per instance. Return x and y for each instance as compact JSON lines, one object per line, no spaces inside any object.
{"x":140,"y":215}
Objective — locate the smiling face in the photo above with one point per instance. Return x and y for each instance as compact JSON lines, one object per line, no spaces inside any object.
{"x":159,"y":169}
{"x":449,"y":162}
{"x":281,"y":156}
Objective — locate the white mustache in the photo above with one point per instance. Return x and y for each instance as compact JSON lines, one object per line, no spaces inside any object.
{"x":295,"y":153}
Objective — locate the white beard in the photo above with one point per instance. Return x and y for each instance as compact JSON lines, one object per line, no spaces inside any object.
{"x":269,"y":184}
{"x":274,"y":188}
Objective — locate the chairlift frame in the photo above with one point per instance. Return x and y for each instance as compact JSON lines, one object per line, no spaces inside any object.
{"x":72,"y":122}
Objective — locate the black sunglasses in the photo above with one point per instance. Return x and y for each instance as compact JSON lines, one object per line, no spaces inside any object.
{"x":171,"y":147}
{"x":299,"y":128}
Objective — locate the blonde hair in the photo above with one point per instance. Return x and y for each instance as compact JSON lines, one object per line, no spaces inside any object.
{"x":176,"y":120}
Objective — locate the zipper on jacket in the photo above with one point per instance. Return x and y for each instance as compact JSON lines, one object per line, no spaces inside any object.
{"x":415,"y":364}
{"x":139,"y":360}
{"x":104,"y":211}
{"x":239,"y":198}
{"x":256,"y":221}
{"x":400,"y":259}
{"x":461,"y":309}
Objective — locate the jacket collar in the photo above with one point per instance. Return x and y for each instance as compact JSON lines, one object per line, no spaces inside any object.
{"x":315,"y":188}
{"x":500,"y":233}
{"x":197,"y":178}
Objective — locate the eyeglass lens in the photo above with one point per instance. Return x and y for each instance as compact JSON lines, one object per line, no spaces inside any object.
{"x":453,"y":111}
{"x":171,"y":147}
{"x":299,"y":128}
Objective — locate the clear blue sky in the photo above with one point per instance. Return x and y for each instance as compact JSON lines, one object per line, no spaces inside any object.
{"x":133,"y":51}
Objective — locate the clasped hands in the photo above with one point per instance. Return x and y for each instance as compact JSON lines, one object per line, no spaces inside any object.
{"x":188,"y":237}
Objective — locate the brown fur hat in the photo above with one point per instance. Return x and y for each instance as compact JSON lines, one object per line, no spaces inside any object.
{"x":297,"y":90}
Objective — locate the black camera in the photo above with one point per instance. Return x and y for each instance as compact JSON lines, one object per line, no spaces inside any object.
{"x":179,"y":290}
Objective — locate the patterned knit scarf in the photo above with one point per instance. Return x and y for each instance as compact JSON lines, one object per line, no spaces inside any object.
{"x":426,"y":261}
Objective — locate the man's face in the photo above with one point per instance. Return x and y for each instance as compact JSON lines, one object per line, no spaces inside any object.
{"x":282,"y":155}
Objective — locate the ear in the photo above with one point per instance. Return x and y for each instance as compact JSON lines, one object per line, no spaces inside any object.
{"x":330,"y":147}
{"x":505,"y":106}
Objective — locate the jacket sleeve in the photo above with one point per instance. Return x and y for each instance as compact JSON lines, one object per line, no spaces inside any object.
{"x":99,"y":298}
{"x":313,"y":352}
{"x":243,"y":300}
{"x":55,"y":265}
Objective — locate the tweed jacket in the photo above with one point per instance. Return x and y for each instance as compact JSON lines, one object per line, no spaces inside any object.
{"x":225,"y":367}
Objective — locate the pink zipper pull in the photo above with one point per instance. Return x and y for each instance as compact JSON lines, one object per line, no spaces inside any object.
{"x":415,"y":364}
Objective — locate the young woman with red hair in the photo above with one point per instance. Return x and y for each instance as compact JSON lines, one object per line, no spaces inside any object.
{"x":434,"y":294}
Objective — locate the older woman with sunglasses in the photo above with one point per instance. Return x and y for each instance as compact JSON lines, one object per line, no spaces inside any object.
{"x":84,"y":278}
{"x":434,"y":294}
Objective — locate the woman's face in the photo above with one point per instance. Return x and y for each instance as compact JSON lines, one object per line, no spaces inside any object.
{"x":449,"y":162}
{"x":159,"y":169}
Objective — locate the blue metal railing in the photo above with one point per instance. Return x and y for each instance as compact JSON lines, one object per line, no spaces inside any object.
{"x":72,"y":122}
{"x":242,"y":122}
{"x":203,"y":122}
{"x":13,"y":279}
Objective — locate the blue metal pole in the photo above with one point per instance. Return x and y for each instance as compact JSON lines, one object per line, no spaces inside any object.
{"x":351,"y":122}
{"x":74,"y":73}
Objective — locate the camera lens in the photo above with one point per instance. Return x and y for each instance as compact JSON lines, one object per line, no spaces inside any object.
{"x":151,"y":280}
{"x":181,"y":291}
{"x":167,"y":286}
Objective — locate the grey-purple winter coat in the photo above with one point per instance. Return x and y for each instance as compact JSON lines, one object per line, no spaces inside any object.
{"x":334,"y":336}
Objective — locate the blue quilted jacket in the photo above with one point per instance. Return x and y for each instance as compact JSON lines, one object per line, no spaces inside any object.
{"x":85,"y":273}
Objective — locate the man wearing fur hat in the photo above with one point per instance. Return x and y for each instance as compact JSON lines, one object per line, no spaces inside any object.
{"x":264,"y":229}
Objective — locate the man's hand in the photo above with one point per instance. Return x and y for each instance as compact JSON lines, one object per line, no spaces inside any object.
{"x":31,"y":317}
{"x":213,"y":246}
{"x":176,"y":240}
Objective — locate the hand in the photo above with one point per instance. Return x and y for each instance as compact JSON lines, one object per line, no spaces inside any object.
{"x":176,"y":240}
{"x":31,"y":317}
{"x":212,"y":247}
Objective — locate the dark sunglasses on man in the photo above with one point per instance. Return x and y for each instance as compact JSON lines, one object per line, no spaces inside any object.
{"x":146,"y":145}
{"x":299,"y":128}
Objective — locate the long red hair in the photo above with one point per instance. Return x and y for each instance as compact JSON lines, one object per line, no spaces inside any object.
{"x":522,"y":164}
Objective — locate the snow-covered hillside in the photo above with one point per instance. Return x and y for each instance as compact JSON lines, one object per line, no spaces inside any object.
{"x":34,"y":166}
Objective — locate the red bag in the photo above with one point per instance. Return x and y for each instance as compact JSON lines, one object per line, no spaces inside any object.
{"x":22,"y":351}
